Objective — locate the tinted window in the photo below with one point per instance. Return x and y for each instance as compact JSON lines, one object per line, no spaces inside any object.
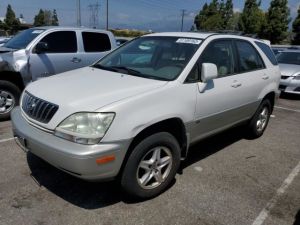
{"x":95,"y":42}
{"x":221,"y":54}
{"x":268,"y":52}
{"x":248,"y":57}
{"x":61,"y":42}
{"x":289,"y":58}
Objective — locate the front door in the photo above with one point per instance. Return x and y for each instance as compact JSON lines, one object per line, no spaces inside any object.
{"x":60,"y":56}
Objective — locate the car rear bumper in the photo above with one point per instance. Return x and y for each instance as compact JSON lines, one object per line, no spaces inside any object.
{"x":76,"y":159}
{"x":290,"y":85}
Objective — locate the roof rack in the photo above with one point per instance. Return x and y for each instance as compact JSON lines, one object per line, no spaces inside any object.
{"x":232,"y":32}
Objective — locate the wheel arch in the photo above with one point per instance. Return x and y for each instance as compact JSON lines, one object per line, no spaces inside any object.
{"x":13,"y":77}
{"x":174,"y":126}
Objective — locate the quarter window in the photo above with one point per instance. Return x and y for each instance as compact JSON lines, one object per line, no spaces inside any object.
{"x":221,"y":54}
{"x":61,"y":42}
{"x":248,"y":57}
{"x":268,"y":52}
{"x":95,"y":42}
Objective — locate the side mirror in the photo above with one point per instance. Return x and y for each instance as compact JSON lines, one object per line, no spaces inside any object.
{"x":41,"y":47}
{"x":209,"y":71}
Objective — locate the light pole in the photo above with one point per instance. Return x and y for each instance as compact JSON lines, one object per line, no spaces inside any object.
{"x":78,"y":14}
{"x":106,"y":14}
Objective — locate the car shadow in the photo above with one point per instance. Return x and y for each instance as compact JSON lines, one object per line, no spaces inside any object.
{"x":94,"y":195}
{"x":212,"y":145}
{"x":84,"y":194}
{"x":297,"y":218}
{"x":289,"y":96}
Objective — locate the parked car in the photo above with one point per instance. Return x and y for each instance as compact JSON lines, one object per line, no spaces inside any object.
{"x":289,"y":63}
{"x":134,"y":114}
{"x":44,"y":51}
{"x":3,"y":40}
{"x":121,"y":41}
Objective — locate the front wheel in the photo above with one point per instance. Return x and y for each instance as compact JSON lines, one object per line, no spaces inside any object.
{"x":260,"y":120}
{"x":9,"y":98}
{"x":152,"y":166}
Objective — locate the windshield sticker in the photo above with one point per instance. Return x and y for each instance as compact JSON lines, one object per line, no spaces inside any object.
{"x":188,"y":41}
{"x":37,"y":31}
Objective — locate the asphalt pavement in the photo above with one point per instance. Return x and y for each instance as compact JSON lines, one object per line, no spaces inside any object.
{"x":227,"y":179}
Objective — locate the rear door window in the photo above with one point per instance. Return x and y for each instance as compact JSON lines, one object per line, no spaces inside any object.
{"x":249,"y":59}
{"x":96,"y":42}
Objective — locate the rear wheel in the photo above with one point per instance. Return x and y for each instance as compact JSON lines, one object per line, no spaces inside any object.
{"x":260,"y":120}
{"x":152,"y":166}
{"x":9,"y":98}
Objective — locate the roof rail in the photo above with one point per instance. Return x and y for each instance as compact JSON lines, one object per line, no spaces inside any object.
{"x":232,"y":32}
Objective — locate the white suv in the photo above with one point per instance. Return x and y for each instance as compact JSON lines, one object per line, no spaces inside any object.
{"x":134,"y":114}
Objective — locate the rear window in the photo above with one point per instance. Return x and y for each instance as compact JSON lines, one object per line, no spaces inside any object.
{"x":268,"y":52}
{"x":95,"y":42}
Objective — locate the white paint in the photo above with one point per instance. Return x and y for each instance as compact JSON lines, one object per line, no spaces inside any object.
{"x":198,"y":168}
{"x":265,"y":212}
{"x":5,"y":140}
{"x":288,"y":109}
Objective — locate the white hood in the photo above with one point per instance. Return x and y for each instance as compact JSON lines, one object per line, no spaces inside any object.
{"x":87,"y":89}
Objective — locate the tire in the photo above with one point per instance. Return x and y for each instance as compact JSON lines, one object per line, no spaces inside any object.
{"x":260,"y":120}
{"x":141,"y":165}
{"x":9,"y":98}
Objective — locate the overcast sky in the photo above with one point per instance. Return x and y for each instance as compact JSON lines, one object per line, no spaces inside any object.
{"x":156,"y":15}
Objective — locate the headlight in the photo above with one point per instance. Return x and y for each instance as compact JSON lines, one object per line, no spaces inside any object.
{"x":85,"y":128}
{"x":296,"y":76}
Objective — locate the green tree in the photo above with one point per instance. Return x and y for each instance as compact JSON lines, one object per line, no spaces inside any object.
{"x":252,"y":18}
{"x":296,"y":29}
{"x":228,"y":15}
{"x":39,"y":19}
{"x":201,"y":17}
{"x":277,"y":21}
{"x":11,"y":22}
{"x":54,"y":20}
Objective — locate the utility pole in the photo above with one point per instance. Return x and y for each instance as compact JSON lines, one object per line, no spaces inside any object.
{"x":94,"y":15}
{"x":106,"y":14}
{"x":78,"y":14}
{"x":182,"y":18}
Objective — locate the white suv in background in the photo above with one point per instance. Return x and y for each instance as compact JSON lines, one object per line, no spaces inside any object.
{"x":134,"y":114}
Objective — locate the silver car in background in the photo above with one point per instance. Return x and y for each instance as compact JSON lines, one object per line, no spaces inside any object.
{"x":289,"y":63}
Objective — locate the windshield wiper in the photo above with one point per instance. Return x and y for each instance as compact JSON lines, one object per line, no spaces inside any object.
{"x":98,"y":66}
{"x":128,"y":70}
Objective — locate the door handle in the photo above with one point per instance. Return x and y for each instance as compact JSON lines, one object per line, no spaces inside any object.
{"x":265,"y":77}
{"x":236,"y":84}
{"x":76,"y":60}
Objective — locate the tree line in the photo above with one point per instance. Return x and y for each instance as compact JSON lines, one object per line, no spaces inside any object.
{"x":12,"y":24}
{"x":272,"y":25}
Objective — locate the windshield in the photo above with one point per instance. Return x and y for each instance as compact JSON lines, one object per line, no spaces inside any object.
{"x":22,"y":39}
{"x":161,"y":58}
{"x":289,"y":58}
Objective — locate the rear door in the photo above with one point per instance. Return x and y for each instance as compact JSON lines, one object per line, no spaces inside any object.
{"x":61,"y":55}
{"x":253,"y":75}
{"x":95,"y":45}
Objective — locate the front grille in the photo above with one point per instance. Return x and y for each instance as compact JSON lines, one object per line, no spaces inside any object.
{"x":284,"y":77}
{"x":38,"y":109}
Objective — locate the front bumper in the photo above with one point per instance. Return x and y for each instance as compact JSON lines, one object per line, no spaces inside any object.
{"x":290,"y":85}
{"x":75,"y":159}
